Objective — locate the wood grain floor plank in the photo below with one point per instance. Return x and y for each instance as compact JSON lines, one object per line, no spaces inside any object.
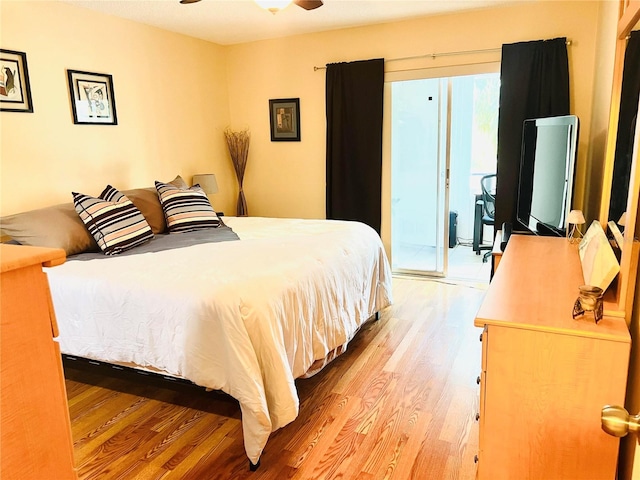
{"x":155,"y":456}
{"x":402,"y":457}
{"x":114,"y":453}
{"x":312,"y":450}
{"x":138,"y":407}
{"x":417,"y":331}
{"x":311,"y":421}
{"x":364,"y":359}
{"x":133,"y":472}
{"x":348,"y":453}
{"x":204,"y":430}
{"x":89,"y":399}
{"x":380,"y":446}
{"x":201,"y":463}
{"x":107,"y":409}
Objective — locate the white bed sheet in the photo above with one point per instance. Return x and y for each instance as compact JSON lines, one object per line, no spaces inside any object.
{"x":246,"y":317}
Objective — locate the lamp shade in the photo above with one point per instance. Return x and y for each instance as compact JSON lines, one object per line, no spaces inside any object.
{"x":576,"y":217}
{"x":207,"y":182}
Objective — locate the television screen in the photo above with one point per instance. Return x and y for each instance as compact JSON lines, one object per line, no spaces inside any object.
{"x":548,"y":155}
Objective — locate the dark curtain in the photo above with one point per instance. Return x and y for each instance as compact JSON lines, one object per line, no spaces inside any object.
{"x":626,"y":127}
{"x":354,"y":98}
{"x":534,"y":83}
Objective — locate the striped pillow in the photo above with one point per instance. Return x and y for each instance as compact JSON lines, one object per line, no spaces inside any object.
{"x":186,"y":209}
{"x":113,"y":220}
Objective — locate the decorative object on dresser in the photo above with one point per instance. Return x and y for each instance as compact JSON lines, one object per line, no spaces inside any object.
{"x":599,"y":263}
{"x":92,"y":99}
{"x":574,"y":220}
{"x":15,"y":91}
{"x":238,"y":144}
{"x":35,"y":432}
{"x":284,"y":118}
{"x":589,"y":300}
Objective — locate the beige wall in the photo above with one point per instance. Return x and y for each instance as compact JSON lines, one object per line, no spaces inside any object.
{"x":171,"y":100}
{"x":288,"y":179}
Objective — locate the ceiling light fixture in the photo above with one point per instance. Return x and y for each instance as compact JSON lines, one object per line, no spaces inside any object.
{"x":274,"y":6}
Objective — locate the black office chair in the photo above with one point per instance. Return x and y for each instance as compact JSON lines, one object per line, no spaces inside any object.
{"x":488,"y":185}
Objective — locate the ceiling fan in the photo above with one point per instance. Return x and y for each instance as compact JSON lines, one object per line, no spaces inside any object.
{"x":275,"y":5}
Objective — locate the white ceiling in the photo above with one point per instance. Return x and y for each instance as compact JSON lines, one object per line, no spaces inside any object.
{"x":227,"y":22}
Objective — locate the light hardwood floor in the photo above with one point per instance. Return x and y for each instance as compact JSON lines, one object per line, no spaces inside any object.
{"x":399,"y":404}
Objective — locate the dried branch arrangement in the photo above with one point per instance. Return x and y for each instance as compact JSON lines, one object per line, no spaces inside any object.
{"x":238,"y":144}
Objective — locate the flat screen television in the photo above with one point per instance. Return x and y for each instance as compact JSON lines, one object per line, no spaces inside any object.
{"x":545,"y":188}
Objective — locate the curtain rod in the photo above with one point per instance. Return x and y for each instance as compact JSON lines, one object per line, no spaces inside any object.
{"x":443,"y":54}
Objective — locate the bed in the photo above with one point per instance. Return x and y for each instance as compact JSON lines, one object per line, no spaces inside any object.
{"x":245,"y":308}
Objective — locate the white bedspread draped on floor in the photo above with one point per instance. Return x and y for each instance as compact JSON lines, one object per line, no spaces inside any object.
{"x":246,"y":317}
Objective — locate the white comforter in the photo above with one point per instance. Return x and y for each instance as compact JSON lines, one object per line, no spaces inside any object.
{"x":246,"y":317}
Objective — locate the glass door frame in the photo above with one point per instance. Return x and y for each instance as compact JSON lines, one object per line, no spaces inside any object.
{"x":418,"y":74}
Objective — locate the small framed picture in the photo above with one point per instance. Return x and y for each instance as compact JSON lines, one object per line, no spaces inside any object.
{"x":285,"y":119}
{"x":92,"y":98}
{"x":15,"y":92}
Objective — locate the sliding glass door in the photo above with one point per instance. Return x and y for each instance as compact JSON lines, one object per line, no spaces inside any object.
{"x":418,"y":179}
{"x":443,"y":140}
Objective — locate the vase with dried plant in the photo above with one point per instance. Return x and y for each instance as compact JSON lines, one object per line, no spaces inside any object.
{"x":238,"y":144}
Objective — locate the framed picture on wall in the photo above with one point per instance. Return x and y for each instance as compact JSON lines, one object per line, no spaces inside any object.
{"x":92,"y":98}
{"x":284,"y":114}
{"x":15,"y":92}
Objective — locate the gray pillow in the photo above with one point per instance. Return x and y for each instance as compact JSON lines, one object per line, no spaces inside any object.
{"x":58,"y":226}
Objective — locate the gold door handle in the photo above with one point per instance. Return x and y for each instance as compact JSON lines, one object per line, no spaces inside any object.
{"x":616,"y":421}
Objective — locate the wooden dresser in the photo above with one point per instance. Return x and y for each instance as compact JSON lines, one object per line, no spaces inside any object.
{"x":35,"y":433}
{"x":545,"y":376}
